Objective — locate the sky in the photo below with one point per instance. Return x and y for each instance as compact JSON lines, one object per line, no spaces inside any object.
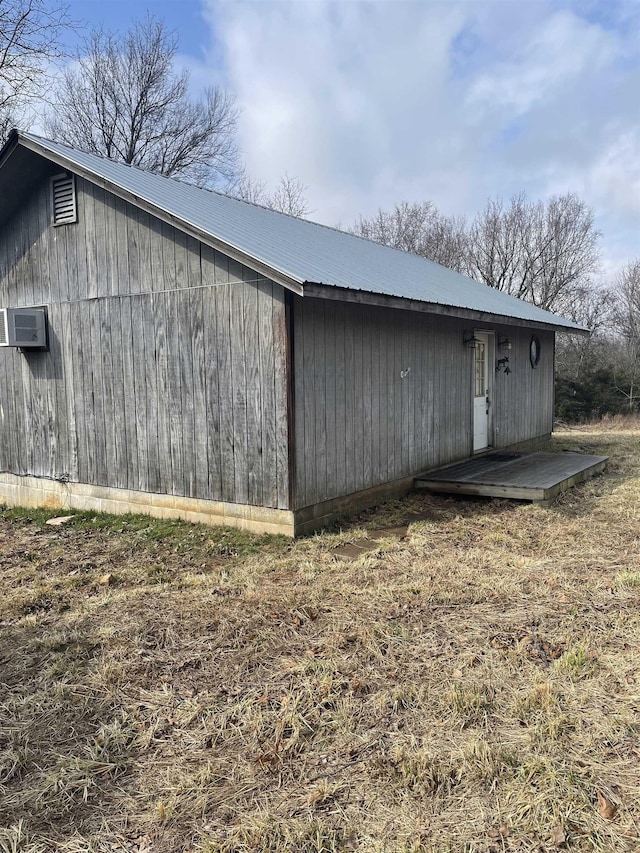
{"x":372,"y":103}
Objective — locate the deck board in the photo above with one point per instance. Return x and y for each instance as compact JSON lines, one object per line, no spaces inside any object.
{"x":521,"y":476}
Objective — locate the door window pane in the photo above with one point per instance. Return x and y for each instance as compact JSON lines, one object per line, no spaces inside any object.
{"x":480,"y":362}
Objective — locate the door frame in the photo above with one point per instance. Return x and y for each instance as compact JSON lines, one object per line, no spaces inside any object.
{"x":490,"y":338}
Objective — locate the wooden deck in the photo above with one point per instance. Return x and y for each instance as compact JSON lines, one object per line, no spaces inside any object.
{"x":520,"y":476}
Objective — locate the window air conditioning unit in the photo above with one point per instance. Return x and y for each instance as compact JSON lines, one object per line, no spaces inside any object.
{"x":23,"y":327}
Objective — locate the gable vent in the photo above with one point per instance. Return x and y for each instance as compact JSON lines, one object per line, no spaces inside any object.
{"x":63,"y":188}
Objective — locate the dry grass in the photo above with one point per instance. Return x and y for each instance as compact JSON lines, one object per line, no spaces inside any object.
{"x":473,"y":686}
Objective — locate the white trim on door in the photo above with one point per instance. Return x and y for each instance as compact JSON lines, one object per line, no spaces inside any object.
{"x":482,"y":381}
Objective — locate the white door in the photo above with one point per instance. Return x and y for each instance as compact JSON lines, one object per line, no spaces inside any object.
{"x":481,"y":389}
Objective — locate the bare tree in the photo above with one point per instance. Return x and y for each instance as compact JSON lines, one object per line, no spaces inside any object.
{"x":8,"y":120}
{"x":248,"y":189}
{"x":30,"y":39}
{"x":287,"y":197}
{"x":576,"y":354}
{"x":125,"y":101}
{"x":625,"y":316}
{"x":624,"y":363}
{"x":601,"y":373}
{"x":418,"y":228}
{"x":544,"y":253}
{"x":625,"y":313}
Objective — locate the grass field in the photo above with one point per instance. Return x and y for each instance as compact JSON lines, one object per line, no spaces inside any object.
{"x":469,"y":683}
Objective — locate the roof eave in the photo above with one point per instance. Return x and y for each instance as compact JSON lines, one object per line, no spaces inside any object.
{"x":9,"y":146}
{"x":365,"y":297}
{"x":285,"y":280}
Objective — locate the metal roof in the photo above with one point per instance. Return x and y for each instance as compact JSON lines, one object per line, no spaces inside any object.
{"x":297,"y":249}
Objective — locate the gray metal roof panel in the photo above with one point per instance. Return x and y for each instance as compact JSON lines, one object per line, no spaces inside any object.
{"x":302,"y":250}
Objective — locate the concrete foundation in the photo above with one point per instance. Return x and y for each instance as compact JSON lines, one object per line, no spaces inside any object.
{"x":40,"y":492}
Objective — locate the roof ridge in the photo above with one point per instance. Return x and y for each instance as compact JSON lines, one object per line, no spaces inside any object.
{"x":184,"y":183}
{"x":293,"y":254}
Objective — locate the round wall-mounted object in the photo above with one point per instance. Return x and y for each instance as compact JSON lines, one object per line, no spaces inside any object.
{"x":534,"y":351}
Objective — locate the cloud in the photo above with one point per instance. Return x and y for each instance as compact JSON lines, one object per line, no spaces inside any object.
{"x":371,"y":103}
{"x":326,"y":91}
{"x":615,"y":175}
{"x":557,"y":54}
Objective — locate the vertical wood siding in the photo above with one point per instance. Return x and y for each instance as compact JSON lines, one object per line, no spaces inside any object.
{"x":523,"y":399}
{"x":182,"y":392}
{"x":384,"y":394}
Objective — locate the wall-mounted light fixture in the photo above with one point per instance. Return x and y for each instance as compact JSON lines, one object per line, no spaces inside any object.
{"x":503,"y":362}
{"x":470,"y":340}
{"x":504,"y":343}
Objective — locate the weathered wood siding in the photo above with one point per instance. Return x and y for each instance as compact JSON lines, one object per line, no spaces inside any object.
{"x":379,"y":395}
{"x":384,"y":394}
{"x":167,"y":363}
{"x":523,"y":399}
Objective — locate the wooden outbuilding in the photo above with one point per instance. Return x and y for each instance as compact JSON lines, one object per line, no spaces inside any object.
{"x":169,"y":350}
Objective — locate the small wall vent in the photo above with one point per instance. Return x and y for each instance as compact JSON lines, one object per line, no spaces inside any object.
{"x":23,"y":327}
{"x":63,"y":190}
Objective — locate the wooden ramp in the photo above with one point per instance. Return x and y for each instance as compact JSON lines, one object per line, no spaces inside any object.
{"x":520,"y":476}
